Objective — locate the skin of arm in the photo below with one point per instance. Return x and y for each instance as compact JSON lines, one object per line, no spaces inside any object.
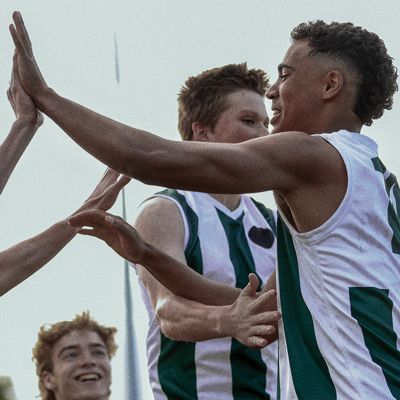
{"x":160,"y":224}
{"x":269,"y":162}
{"x":28,"y":121}
{"x":199,"y":308}
{"x":23,"y":259}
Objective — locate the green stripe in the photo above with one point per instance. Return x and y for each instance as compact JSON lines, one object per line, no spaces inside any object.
{"x":176,"y":365}
{"x":393,"y":213}
{"x":248,"y":368}
{"x":310,"y":373}
{"x":373,"y":308}
{"x":267,"y":214}
{"x":177,"y":369}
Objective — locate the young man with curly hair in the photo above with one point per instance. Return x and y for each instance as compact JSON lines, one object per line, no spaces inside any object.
{"x":223,"y":237}
{"x":338,"y":226}
{"x":73,"y":359}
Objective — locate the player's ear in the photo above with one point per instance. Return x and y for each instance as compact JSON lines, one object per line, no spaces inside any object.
{"x":333,"y":84}
{"x":201,"y":132}
{"x":48,"y":380}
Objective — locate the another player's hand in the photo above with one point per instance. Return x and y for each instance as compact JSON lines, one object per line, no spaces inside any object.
{"x":23,"y":106}
{"x":247,"y":319}
{"x":113,"y":230}
{"x":106,"y":192}
{"x":31,"y":78}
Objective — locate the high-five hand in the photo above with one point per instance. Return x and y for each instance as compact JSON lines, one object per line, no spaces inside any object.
{"x":31,"y":78}
{"x":113,"y":230}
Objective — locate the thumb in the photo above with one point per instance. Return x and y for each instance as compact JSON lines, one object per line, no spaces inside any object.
{"x":251,"y":288}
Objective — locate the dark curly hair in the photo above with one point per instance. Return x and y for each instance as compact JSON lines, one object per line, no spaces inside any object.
{"x":203,"y":97}
{"x":363,"y":51}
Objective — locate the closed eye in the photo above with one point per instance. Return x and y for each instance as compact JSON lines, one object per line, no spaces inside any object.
{"x":248,"y":121}
{"x":69,"y":355}
{"x":100,"y":353}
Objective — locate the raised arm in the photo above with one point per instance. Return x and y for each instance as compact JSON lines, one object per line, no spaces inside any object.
{"x":28,"y":120}
{"x":23,"y":259}
{"x":267,"y":163}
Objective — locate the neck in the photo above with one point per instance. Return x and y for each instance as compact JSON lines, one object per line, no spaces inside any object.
{"x":230,"y":201}
{"x":335,"y":121}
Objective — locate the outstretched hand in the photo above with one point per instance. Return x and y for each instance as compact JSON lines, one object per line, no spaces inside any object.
{"x":23,"y":106}
{"x":113,"y":230}
{"x":250,"y":319}
{"x":106,"y":192}
{"x":31,"y":78}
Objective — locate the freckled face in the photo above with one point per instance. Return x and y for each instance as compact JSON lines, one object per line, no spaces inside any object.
{"x":81,"y":368}
{"x":245,"y":118}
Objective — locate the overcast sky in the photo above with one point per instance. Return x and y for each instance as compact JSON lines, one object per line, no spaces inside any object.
{"x":160,"y":43}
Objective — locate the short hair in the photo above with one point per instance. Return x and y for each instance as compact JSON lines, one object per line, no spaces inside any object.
{"x":365,"y":53}
{"x":203,"y":97}
{"x":49,"y":335}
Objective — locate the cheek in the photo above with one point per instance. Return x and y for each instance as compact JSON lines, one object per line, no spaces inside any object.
{"x":107,"y":371}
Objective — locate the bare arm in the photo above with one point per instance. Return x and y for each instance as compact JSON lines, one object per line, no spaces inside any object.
{"x":246,"y":320}
{"x":23,"y":259}
{"x":183,"y":315}
{"x":171,"y":272}
{"x":268,"y":163}
{"x":160,"y":224}
{"x":28,"y":120}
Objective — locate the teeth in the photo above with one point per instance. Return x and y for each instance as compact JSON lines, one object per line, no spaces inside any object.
{"x":89,"y":377}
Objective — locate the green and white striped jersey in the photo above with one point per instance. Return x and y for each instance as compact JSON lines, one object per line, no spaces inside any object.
{"x":339,"y":288}
{"x":225,"y":246}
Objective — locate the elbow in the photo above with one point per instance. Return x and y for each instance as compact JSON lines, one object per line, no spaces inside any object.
{"x":168,"y":325}
{"x":167,"y":330}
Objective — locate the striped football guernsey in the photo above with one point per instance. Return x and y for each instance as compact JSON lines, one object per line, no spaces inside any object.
{"x":339,"y":288}
{"x":225,"y":246}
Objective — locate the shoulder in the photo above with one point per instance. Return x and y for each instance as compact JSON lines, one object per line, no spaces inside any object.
{"x":160,"y":219}
{"x":158,"y":209}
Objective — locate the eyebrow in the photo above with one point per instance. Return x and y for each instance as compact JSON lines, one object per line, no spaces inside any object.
{"x":281,"y":66}
{"x":76,"y":347}
{"x":73,"y":347}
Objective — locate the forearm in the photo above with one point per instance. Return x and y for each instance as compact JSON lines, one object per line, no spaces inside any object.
{"x":186,"y":320}
{"x":11,"y":149}
{"x":23,"y":259}
{"x":144,"y":156}
{"x":121,"y":147}
{"x":183,"y":281}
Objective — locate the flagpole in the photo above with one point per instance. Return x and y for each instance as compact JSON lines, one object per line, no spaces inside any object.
{"x":132,"y":364}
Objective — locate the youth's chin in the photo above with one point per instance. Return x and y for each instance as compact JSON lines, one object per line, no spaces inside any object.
{"x":90,"y":391}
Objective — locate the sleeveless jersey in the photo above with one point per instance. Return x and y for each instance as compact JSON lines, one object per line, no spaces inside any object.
{"x":339,"y":288}
{"x":224,"y":246}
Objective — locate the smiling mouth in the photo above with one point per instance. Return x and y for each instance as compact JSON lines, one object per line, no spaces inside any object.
{"x":276,"y":115}
{"x":91,"y":377}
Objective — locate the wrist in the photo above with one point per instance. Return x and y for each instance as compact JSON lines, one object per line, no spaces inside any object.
{"x":43,"y":97}
{"x":26,"y":122}
{"x":146,"y":254}
{"x":223,"y":325}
